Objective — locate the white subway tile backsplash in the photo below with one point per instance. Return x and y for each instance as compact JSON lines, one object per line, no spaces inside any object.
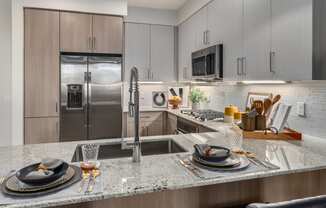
{"x":314,"y":95}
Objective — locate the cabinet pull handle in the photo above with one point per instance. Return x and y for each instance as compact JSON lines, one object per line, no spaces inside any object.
{"x":89,"y":43}
{"x":238,"y":66}
{"x":56,"y":107}
{"x":185,"y":72}
{"x":207,"y":37}
{"x":148,"y":74}
{"x":271,"y":61}
{"x":152,"y":76}
{"x":204,"y":38}
{"x":94,"y":43}
{"x":244,"y":66}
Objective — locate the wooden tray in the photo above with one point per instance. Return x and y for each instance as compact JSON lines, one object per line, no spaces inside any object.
{"x":287,"y":134}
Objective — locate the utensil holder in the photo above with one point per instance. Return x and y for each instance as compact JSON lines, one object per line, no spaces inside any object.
{"x":248,"y":123}
{"x":260,"y":122}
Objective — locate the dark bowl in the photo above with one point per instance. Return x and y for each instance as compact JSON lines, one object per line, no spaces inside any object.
{"x":215,"y":158}
{"x":57,"y":173}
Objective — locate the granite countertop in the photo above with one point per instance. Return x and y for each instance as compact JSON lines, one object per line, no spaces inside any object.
{"x":121,"y":177}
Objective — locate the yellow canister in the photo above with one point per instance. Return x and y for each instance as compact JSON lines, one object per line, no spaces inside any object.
{"x":229,"y":112}
{"x":237,"y":116}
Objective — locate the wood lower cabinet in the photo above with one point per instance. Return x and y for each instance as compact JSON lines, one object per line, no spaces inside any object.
{"x":171,"y":124}
{"x":107,"y":34}
{"x":41,"y":73}
{"x":75,"y":32}
{"x":151,"y":124}
{"x":41,"y":130}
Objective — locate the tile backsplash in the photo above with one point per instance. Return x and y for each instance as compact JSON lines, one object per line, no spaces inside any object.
{"x":146,"y":95}
{"x":313,"y":94}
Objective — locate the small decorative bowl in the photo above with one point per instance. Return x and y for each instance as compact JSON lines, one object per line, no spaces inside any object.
{"x":175,"y":103}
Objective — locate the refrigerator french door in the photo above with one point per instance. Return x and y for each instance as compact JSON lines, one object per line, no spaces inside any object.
{"x":90,"y":97}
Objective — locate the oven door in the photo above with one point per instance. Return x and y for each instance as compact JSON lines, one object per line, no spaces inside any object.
{"x":186,"y":127}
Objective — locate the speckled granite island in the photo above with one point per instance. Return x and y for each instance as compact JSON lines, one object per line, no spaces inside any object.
{"x":160,"y":181}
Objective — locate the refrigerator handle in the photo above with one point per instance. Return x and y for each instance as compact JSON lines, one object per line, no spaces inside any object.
{"x":85,"y":101}
{"x":89,"y":105}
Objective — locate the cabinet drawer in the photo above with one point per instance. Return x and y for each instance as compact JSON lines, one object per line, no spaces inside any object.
{"x":41,"y":130}
{"x":148,"y":117}
{"x":172,"y":117}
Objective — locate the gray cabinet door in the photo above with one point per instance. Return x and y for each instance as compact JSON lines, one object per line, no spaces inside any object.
{"x":162,"y":53}
{"x":257,"y":39}
{"x":292,"y":39}
{"x":187,"y":45}
{"x":229,"y":33}
{"x":137,"y":50}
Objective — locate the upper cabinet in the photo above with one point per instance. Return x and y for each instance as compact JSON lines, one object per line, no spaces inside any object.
{"x":187,"y":39}
{"x":90,"y":33}
{"x":262,"y":39}
{"x":41,"y":71}
{"x":107,"y":34}
{"x":256,"y":40}
{"x":162,"y":53}
{"x":151,"y":49}
{"x":137,"y":50}
{"x":75,"y":32}
{"x":292,"y":38}
{"x":229,"y":33}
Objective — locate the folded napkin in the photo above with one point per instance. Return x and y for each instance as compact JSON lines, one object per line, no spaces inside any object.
{"x":50,"y":163}
{"x":39,"y":175}
{"x":211,"y":153}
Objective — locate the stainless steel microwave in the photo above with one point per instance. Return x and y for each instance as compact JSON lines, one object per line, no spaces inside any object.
{"x":207,"y":64}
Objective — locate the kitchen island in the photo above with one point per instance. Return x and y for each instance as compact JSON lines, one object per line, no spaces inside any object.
{"x":161,"y":181}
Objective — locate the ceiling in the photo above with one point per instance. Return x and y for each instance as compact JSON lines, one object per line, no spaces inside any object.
{"x":157,"y":4}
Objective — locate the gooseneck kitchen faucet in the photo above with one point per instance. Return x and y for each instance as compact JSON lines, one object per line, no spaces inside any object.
{"x":134,"y":112}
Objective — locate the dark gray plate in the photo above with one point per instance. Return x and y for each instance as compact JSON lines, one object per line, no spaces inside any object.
{"x":233,"y":160}
{"x":76,"y":178}
{"x":244,"y":163}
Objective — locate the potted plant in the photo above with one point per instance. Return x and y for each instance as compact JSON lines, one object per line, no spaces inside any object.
{"x":197,"y":96}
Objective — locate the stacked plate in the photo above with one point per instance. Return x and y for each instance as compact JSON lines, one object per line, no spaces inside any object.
{"x":221,"y":160}
{"x":37,"y":179}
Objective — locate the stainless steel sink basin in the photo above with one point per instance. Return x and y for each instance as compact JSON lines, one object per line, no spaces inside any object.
{"x":111,"y":151}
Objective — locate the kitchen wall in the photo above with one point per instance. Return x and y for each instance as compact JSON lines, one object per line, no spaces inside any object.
{"x":189,"y":8}
{"x":313,"y":94}
{"x":151,"y":16}
{"x":5,"y":69}
{"x":116,"y":7}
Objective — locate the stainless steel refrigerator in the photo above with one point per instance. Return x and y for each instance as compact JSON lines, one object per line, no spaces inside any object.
{"x":91,"y":91}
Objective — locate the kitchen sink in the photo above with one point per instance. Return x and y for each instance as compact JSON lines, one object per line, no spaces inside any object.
{"x":111,"y":151}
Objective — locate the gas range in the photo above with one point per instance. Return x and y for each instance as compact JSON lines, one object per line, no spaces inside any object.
{"x":204,"y":115}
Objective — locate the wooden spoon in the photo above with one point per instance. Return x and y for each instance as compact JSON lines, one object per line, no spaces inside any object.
{"x":259,"y":106}
{"x":276,"y":99}
{"x":267,"y":105}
